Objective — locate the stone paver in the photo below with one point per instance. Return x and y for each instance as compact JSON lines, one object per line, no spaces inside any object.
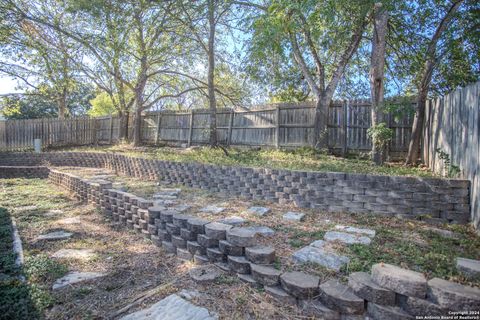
{"x":233,"y":220}
{"x":468,"y":267}
{"x":172,"y":308}
{"x":321,"y":256}
{"x":56,"y":235}
{"x":264,"y":231}
{"x":259,"y":211}
{"x":71,"y":220}
{"x":82,"y":254}
{"x":293,"y":216}
{"x":454,"y":296}
{"x":403,"y":281}
{"x":368,"y":232}
{"x":347,"y":238}
{"x":53,"y":212}
{"x":212,"y":209}
{"x":204,"y":274}
{"x":75,"y":277}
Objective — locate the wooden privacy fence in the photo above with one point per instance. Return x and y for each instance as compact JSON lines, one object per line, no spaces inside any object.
{"x":452,"y":127}
{"x":280,"y":125}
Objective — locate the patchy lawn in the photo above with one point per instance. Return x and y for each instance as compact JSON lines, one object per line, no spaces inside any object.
{"x":299,"y":159}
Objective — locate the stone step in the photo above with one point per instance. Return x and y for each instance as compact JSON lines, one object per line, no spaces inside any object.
{"x":469,"y":268}
{"x":217,"y":230}
{"x":280,"y":295}
{"x":316,"y":309}
{"x":379,"y":312}
{"x":260,"y":254}
{"x":299,"y":284}
{"x":453,"y":296}
{"x":239,"y":264}
{"x":258,"y":211}
{"x":313,"y":254}
{"x":267,"y":276}
{"x":364,"y":287}
{"x":403,"y":281}
{"x":346,"y":238}
{"x":340,"y":297}
{"x":215,"y":255}
{"x":227,"y":248}
{"x":242,"y":237}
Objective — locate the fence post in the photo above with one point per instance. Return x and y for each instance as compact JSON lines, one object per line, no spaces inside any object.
{"x":157,"y":136}
{"x":277,"y":129}
{"x":95,"y":124}
{"x":230,"y":127}
{"x":344,"y":125}
{"x":190,"y":130}
{"x":111,"y":130}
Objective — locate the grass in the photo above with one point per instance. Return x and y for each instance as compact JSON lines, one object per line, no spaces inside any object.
{"x":26,"y":299}
{"x":306,"y":159}
{"x":431,"y":254}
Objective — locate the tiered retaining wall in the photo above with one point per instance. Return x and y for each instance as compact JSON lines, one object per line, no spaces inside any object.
{"x":444,"y":200}
{"x":388,"y":293}
{"x":7,"y":172}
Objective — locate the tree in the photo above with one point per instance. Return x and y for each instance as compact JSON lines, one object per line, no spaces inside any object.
{"x":377,"y":66}
{"x":431,"y":60}
{"x":320,"y":37}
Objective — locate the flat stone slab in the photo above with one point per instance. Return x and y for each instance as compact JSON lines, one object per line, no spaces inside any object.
{"x":329,"y":260}
{"x":71,"y":220}
{"x":403,"y":281}
{"x":82,"y":254}
{"x":53,"y":212}
{"x":347,"y":238}
{"x":75,"y":277}
{"x":364,"y":287}
{"x":293,"y":216}
{"x":367,"y":232}
{"x":212,"y":209}
{"x":171,"y":308}
{"x":264,"y":231}
{"x":468,"y":267}
{"x":168,"y":191}
{"x":337,"y":296}
{"x":233,"y":220}
{"x":56,"y":235}
{"x":165,"y":203}
{"x":259,"y":211}
{"x":204,"y":274}
{"x":164,"y":197}
{"x":453,"y":296}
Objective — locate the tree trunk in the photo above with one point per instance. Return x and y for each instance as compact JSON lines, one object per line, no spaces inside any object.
{"x":62,"y":105}
{"x":320,"y":133}
{"x":123,"y":125}
{"x":137,"y":126}
{"x":424,"y":85}
{"x":377,"y":67}
{"x":211,"y":74}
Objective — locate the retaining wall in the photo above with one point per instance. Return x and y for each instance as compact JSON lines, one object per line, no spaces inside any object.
{"x":445,"y":200}
{"x":7,"y":172}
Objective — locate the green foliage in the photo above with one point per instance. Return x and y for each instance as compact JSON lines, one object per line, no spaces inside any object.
{"x":102,"y":105}
{"x":380,"y":134}
{"x":452,"y":170}
{"x":41,"y":268}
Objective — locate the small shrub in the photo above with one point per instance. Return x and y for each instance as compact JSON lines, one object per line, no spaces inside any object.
{"x":41,"y":269}
{"x":380,"y":134}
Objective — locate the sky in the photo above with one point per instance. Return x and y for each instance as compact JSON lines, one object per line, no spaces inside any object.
{"x":7,"y":85}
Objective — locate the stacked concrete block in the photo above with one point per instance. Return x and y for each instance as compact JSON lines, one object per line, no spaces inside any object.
{"x":8,"y":172}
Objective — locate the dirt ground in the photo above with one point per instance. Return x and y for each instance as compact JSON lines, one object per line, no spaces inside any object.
{"x":134,"y":265}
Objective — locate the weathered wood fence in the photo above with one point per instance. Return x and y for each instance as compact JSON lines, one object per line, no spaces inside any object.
{"x":280,"y":125}
{"x":452,"y":126}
